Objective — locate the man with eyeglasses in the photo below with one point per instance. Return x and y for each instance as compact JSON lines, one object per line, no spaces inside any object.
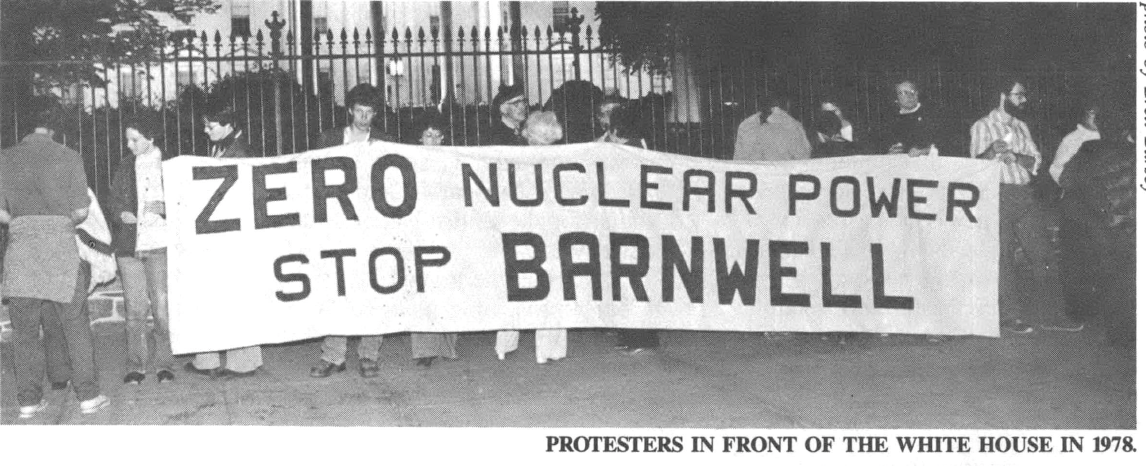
{"x":916,"y":129}
{"x":1002,"y":136}
{"x":513,"y":109}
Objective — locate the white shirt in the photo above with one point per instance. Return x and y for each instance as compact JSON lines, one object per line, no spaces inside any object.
{"x":1069,"y":147}
{"x":151,"y":232}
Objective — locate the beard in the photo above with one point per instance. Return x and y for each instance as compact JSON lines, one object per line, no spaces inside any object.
{"x":1015,"y":110}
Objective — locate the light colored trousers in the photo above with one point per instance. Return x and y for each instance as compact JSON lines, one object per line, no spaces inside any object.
{"x":551,"y":343}
{"x":144,"y":279}
{"x":334,"y":348}
{"x":238,"y":359}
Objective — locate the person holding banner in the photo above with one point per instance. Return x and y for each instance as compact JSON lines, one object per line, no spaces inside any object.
{"x":541,"y":129}
{"x":138,"y":210}
{"x":1003,"y":137}
{"x":917,"y":129}
{"x":362,"y":103}
{"x":227,"y":141}
{"x":426,"y":347}
{"x":44,"y":198}
{"x":513,"y":109}
{"x":772,"y":134}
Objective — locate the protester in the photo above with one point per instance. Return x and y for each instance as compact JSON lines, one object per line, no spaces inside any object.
{"x":622,"y":125}
{"x":604,"y":115}
{"x":917,"y":129}
{"x":513,"y":109}
{"x":1087,"y":130}
{"x":139,"y":212}
{"x":772,"y":134}
{"x":540,"y":129}
{"x":829,"y":141}
{"x":44,"y":198}
{"x":425,"y":347}
{"x":1002,"y":136}
{"x":227,"y":141}
{"x":1098,"y":231}
{"x":847,"y":129}
{"x":361,"y":104}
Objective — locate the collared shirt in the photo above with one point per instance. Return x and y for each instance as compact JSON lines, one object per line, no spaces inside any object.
{"x":42,"y":177}
{"x":999,"y":125}
{"x":151,"y":232}
{"x":1068,"y":147}
{"x":350,"y":137}
{"x":781,"y":137}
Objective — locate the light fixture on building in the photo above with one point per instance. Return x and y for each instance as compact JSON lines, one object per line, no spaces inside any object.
{"x":395,"y":68}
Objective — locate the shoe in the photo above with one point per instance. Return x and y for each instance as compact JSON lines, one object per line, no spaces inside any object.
{"x":227,"y":374}
{"x":133,"y":378}
{"x":165,"y":376}
{"x":212,"y":373}
{"x":1064,"y":326}
{"x":60,"y":385}
{"x":94,"y":404}
{"x":324,"y":369}
{"x":1016,"y":326}
{"x":424,"y":362}
{"x":28,"y":412}
{"x":367,"y":368}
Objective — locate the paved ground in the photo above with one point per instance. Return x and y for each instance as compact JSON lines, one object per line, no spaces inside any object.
{"x":698,"y":380}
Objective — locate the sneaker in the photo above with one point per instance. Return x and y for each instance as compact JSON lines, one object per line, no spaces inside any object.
{"x":94,"y":404}
{"x":27,"y":412}
{"x":1064,"y":326}
{"x":1016,"y":326}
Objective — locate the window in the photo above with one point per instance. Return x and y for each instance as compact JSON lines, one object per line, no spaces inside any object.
{"x":241,"y":19}
{"x":435,"y":24}
{"x":320,"y":26}
{"x":560,"y":15}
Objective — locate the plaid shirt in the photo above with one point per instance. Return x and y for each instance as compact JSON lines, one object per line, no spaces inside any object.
{"x":998,"y":125}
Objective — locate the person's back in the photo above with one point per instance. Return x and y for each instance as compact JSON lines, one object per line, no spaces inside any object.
{"x":774,"y":137}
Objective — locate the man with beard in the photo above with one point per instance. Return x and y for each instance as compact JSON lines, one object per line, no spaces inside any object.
{"x":1004,"y":137}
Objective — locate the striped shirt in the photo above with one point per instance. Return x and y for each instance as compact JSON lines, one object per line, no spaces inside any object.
{"x":999,"y":125}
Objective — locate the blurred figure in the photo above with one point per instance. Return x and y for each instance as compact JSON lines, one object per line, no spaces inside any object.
{"x":1098,"y":231}
{"x":604,"y":115}
{"x":140,"y":215}
{"x":829,"y":142}
{"x":540,"y":129}
{"x":1087,"y":130}
{"x":623,"y":128}
{"x":772,"y":134}
{"x":847,"y":130}
{"x":513,"y":109}
{"x":426,"y":347}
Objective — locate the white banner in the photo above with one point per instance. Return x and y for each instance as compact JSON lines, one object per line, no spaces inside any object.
{"x":381,"y":238}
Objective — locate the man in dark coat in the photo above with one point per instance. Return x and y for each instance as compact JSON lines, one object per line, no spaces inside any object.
{"x":513,"y":109}
{"x":361,"y":107}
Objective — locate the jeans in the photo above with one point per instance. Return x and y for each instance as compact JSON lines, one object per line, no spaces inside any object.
{"x":1023,"y":223}
{"x":334,"y":348}
{"x":27,"y":316}
{"x":144,"y":280}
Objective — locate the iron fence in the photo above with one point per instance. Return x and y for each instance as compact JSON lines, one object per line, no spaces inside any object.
{"x":288,"y":89}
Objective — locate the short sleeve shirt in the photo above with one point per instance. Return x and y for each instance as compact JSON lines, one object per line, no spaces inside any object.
{"x":42,"y":177}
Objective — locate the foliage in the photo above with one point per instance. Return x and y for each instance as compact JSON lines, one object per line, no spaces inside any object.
{"x":91,"y":30}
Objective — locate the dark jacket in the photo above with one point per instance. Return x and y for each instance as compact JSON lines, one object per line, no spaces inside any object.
{"x":123,"y":199}
{"x":920,"y":129}
{"x":237,"y":147}
{"x":1098,"y":191}
{"x":334,"y":136}
{"x":501,"y":135}
{"x":832,"y":148}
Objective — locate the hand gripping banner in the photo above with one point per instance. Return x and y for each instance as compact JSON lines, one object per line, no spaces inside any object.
{"x":376,"y":238}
